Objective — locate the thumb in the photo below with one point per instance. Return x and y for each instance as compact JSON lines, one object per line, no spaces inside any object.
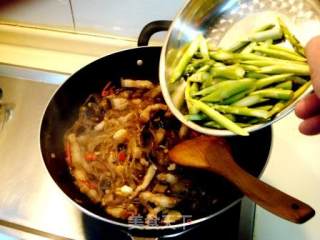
{"x":313,"y":56}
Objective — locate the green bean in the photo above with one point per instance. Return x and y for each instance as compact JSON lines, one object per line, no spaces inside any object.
{"x":184,"y":60}
{"x":261,"y":83}
{"x":219,"y":118}
{"x":227,"y":89}
{"x":244,"y":111}
{"x":275,"y":93}
{"x":285,"y":85}
{"x":278,"y":69}
{"x":279,"y":54}
{"x":291,"y":38}
{"x":229,"y":72}
{"x":249,"y":101}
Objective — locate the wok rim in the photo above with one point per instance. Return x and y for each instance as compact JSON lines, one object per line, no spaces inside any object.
{"x":126,"y":225}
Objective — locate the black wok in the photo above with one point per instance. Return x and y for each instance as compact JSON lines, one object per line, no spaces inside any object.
{"x":250,"y":152}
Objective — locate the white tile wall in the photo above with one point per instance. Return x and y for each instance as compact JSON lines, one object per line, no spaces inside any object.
{"x":47,"y":13}
{"x":123,"y":18}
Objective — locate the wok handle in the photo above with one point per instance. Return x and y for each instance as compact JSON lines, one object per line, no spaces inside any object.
{"x":152,"y":28}
{"x":268,"y":197}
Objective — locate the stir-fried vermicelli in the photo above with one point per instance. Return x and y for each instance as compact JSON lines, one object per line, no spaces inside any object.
{"x":117,"y":151}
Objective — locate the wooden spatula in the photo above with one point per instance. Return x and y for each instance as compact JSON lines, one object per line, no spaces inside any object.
{"x":214,"y":154}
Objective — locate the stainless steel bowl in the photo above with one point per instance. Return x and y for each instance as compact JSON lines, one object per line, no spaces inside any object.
{"x":214,"y":19}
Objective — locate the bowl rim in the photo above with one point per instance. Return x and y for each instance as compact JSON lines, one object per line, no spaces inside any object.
{"x":196,"y":127}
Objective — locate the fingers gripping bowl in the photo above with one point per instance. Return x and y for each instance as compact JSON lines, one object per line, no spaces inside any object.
{"x":233,"y":67}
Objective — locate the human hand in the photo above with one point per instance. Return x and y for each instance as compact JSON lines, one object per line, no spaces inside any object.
{"x":308,"y":109}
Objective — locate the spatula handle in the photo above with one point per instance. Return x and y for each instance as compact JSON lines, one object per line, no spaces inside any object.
{"x":270,"y":198}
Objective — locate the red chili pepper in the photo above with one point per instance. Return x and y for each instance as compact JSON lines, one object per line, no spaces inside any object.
{"x":122,"y":156}
{"x":90,"y":156}
{"x":106,"y":91}
{"x":68,"y":154}
{"x":89,"y":184}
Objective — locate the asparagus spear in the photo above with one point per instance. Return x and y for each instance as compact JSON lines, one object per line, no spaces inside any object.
{"x":178,"y":95}
{"x":214,"y":124}
{"x":244,"y":111}
{"x":264,"y":63}
{"x":284,"y":49}
{"x":203,"y":47}
{"x":249,"y":47}
{"x":236,"y":97}
{"x":219,"y":118}
{"x":256,"y":75}
{"x":274,"y":33}
{"x":291,"y":38}
{"x":249,"y":101}
{"x":275,"y":93}
{"x":265,"y":107}
{"x":199,"y":77}
{"x":196,"y":117}
{"x":229,"y":72}
{"x":279,"y":54}
{"x":188,"y":91}
{"x":261,"y":83}
{"x":250,"y":68}
{"x":300,"y":70}
{"x":227,"y":89}
{"x":285,"y":85}
{"x":185,"y":59}
{"x":245,"y":57}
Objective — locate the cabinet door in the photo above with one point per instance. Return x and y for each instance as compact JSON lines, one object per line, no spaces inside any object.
{"x":123,"y":18}
{"x":43,"y":13}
